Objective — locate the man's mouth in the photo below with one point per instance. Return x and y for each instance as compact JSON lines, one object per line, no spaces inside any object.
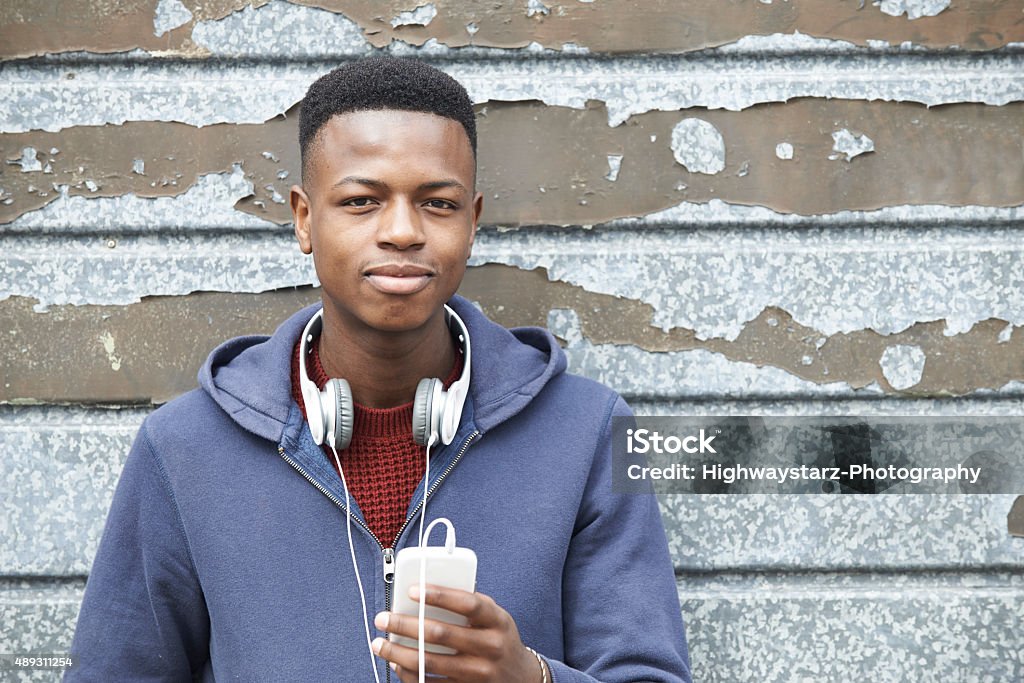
{"x":396,"y":278}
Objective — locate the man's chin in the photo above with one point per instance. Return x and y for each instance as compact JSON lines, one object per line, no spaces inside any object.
{"x":401,"y":314}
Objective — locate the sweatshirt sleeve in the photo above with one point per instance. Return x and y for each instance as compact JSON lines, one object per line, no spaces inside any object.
{"x":621,"y":607}
{"x":143,"y":616}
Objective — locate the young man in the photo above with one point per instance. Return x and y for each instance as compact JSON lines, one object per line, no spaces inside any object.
{"x":225,"y":554}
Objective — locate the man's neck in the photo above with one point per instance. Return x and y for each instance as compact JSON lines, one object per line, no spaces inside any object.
{"x":383,"y":368}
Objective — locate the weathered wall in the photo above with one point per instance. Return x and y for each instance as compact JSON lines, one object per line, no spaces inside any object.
{"x":743,"y":207}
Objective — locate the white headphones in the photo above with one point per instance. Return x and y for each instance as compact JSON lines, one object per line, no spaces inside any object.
{"x":435,"y":413}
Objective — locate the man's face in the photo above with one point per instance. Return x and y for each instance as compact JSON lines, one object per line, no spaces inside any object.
{"x":389,"y":212}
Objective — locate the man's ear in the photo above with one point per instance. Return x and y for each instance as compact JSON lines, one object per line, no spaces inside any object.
{"x":478,"y":208}
{"x":301,"y":218}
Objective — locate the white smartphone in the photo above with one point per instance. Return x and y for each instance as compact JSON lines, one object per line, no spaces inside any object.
{"x":454,"y":569}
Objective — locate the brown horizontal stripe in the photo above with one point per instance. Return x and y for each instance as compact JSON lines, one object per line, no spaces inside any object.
{"x":549,"y":165}
{"x":35,"y":27}
{"x":671,"y":26}
{"x":151,"y":351}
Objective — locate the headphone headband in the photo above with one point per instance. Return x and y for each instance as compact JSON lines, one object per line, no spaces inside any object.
{"x":435,"y":412}
{"x":455,"y":397}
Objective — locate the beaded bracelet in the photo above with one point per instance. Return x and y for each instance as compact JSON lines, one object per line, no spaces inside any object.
{"x":540,"y":661}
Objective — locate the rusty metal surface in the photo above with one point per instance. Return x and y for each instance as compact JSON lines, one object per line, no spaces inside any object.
{"x":552,"y":165}
{"x":36,"y":27}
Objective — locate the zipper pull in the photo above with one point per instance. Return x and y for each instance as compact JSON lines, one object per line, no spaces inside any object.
{"x":389,"y":565}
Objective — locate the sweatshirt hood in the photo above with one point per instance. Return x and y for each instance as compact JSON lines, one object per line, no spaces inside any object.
{"x":250,"y":377}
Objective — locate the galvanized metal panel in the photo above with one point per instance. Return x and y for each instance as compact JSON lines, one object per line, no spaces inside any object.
{"x":776,"y":628}
{"x":51,"y":96}
{"x":859,"y":627}
{"x":65,"y":463}
{"x":38,"y":616}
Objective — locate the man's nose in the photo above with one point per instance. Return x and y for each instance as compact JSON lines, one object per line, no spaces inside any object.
{"x":401,"y":227}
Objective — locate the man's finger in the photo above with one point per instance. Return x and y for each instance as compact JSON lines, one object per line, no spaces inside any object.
{"x":459,"y":638}
{"x":480,"y":609}
{"x":407,"y":658}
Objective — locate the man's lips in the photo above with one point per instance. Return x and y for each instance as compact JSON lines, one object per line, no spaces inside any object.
{"x":398,"y":278}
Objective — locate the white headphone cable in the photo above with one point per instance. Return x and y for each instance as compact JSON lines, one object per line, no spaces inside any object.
{"x":355,"y":567}
{"x":420,"y":648}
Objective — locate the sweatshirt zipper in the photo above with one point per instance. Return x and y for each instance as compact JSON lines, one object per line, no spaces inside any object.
{"x":389,"y":553}
{"x":331,"y":496}
{"x":430,"y":491}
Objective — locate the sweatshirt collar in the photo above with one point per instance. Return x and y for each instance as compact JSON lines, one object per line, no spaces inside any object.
{"x":250,"y":377}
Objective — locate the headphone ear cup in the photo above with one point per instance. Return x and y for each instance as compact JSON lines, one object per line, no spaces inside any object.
{"x":337,"y":408}
{"x":423,"y":414}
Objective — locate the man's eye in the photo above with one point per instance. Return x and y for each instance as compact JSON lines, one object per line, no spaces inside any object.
{"x":440,"y":204}
{"x":357,"y":202}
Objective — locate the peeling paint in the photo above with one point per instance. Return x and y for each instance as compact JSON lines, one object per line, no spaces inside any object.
{"x":28,"y":161}
{"x":606,"y":336}
{"x":902,"y":365}
{"x":151,"y":159}
{"x":421,"y":16}
{"x":1015,"y":518}
{"x":698,"y":146}
{"x":716,"y":213}
{"x":880,"y":278}
{"x":693,"y":372}
{"x":162,"y":27}
{"x":282,"y":29}
{"x":884,"y":279}
{"x":784,"y":151}
{"x":537,"y":8}
{"x":971,"y":361}
{"x":115,"y":93}
{"x":525,"y":146}
{"x":914,"y":9}
{"x":169,"y":15}
{"x":70,"y":275}
{"x":107,"y":340}
{"x":1005,"y":334}
{"x":614,"y":164}
{"x":847,"y":144}
{"x":209,"y":205}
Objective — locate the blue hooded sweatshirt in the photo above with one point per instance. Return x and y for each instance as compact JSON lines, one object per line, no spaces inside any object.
{"x":224,"y":556}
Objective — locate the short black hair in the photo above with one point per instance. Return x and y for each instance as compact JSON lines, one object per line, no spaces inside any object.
{"x":378,"y":84}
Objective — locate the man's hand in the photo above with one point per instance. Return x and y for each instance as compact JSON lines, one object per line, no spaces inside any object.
{"x":488,"y":649}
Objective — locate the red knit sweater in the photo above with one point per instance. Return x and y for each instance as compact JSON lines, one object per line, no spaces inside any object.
{"x":383,"y":464}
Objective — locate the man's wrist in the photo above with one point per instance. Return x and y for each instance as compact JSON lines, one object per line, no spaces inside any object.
{"x":545,"y":676}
